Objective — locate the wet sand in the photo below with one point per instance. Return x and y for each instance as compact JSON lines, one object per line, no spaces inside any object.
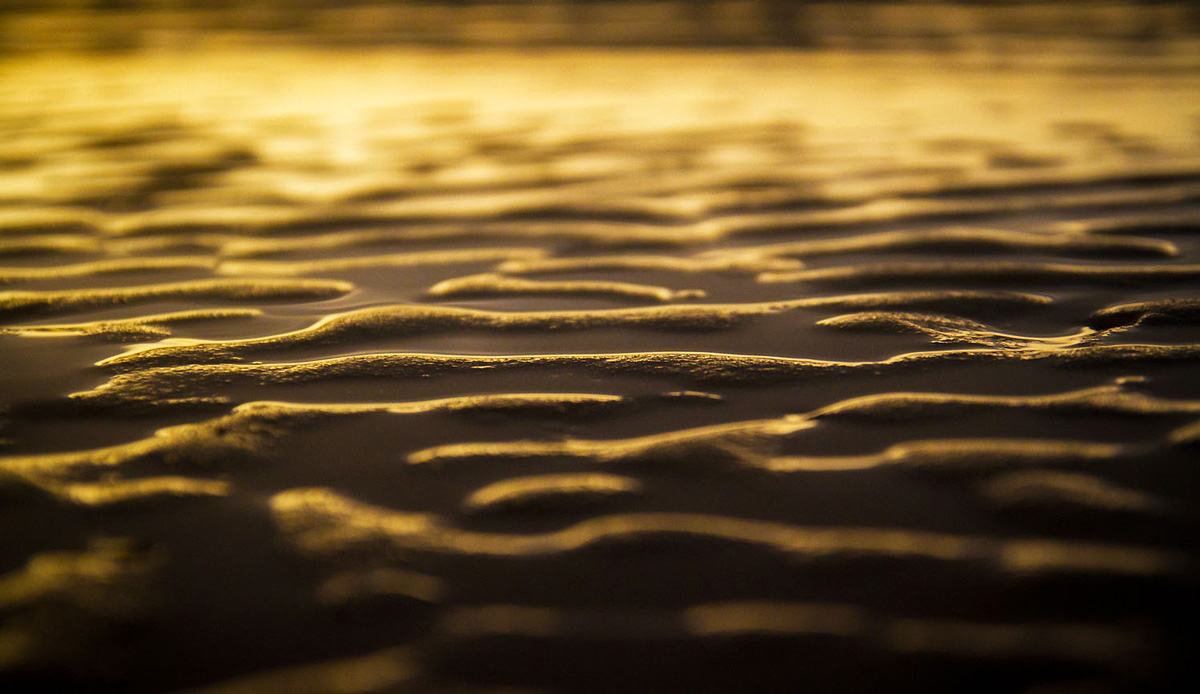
{"x":587,"y":370}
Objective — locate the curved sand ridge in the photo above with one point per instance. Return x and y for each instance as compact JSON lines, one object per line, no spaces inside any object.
{"x":768,"y":261}
{"x":761,"y":259}
{"x":207,"y":219}
{"x":1054,"y":489}
{"x":754,"y":444}
{"x":142,"y":327}
{"x":161,"y":386}
{"x":294,"y":268}
{"x":320,"y":522}
{"x":952,"y":330}
{"x":550,"y":492}
{"x":1116,"y":398}
{"x":15,"y":303}
{"x":726,"y":263}
{"x":102,"y":267}
{"x":191,"y":242}
{"x":491,"y":284}
{"x":635,"y":221}
{"x":89,"y":477}
{"x":353,"y":585}
{"x":1024,"y":272}
{"x":737,"y":442}
{"x":1152,"y":222}
{"x":742,"y":445}
{"x":84,"y":477}
{"x":690,"y":233}
{"x":962,"y":239}
{"x":690,"y":224}
{"x":254,"y":246}
{"x":47,"y":244}
{"x":67,"y":609}
{"x":199,"y":225}
{"x":898,"y":210}
{"x":970,"y":456}
{"x":406,"y":319}
{"x":388,"y":669}
{"x":1174,"y":310}
{"x":1094,"y":644}
{"x":872,"y":636}
{"x":112,"y":492}
{"x":46,"y":221}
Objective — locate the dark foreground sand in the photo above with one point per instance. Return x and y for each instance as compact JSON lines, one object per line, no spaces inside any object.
{"x":602,"y":372}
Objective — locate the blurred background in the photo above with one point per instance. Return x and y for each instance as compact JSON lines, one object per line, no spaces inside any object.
{"x":934,"y":25}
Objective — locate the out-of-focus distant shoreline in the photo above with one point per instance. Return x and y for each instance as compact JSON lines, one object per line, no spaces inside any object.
{"x":1149,"y":27}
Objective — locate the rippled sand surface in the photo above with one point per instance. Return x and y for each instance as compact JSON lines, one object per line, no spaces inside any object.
{"x":598,"y":371}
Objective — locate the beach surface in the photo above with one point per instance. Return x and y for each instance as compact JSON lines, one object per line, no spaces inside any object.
{"x":596,"y":370}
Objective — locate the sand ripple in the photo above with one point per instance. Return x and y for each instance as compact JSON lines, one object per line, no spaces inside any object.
{"x":463,"y":385}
